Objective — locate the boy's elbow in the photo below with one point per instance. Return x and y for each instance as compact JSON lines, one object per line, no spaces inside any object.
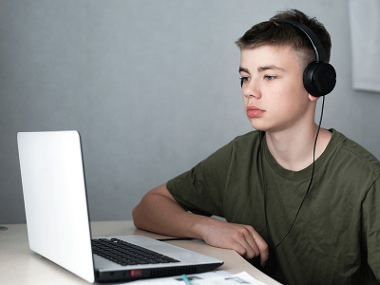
{"x":136,"y":217}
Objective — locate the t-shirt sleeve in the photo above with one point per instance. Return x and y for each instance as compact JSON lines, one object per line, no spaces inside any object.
{"x":200,"y":190}
{"x":371,"y":227}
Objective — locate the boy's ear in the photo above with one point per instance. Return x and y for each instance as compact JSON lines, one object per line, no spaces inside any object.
{"x":313,"y":98}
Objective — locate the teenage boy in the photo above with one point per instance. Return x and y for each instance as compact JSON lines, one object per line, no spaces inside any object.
{"x":305,"y":201}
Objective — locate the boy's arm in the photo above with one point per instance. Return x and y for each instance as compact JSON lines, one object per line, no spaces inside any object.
{"x":159,"y":212}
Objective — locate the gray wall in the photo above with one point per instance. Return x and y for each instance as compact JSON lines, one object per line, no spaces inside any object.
{"x":151,"y":85}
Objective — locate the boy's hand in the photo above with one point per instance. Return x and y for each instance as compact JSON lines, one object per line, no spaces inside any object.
{"x":159,"y":212}
{"x":241,"y":238}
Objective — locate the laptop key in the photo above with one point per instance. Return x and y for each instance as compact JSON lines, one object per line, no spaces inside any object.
{"x":125,"y":253}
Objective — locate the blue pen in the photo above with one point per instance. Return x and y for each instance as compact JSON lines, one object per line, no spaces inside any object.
{"x":187,"y":281}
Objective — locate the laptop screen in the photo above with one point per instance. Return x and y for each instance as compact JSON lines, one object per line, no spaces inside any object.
{"x":55,"y":199}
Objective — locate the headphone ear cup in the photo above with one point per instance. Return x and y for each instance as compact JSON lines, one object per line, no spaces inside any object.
{"x":319,"y":78}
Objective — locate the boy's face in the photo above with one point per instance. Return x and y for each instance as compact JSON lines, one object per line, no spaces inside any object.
{"x":273,"y":92}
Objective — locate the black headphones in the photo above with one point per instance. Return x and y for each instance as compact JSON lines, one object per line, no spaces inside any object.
{"x":319,"y":77}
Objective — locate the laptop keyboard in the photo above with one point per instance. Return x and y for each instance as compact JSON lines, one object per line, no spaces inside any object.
{"x":125,"y":253}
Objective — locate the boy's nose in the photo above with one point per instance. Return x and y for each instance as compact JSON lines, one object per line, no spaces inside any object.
{"x":251,"y":89}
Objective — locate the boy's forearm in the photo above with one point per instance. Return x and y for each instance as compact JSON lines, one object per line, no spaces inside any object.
{"x":160,"y":214}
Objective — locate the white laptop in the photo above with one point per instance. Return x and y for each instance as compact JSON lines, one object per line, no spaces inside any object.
{"x":58,"y":220}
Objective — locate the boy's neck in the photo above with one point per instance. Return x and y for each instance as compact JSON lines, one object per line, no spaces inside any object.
{"x":293,"y":149}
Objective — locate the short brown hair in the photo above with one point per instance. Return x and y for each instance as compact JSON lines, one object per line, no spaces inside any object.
{"x":276,"y":33}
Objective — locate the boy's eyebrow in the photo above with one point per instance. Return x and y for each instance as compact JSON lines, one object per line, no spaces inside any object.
{"x":242,"y":69}
{"x":262,"y":68}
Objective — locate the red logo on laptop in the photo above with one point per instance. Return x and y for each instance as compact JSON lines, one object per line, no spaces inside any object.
{"x":136,"y":273}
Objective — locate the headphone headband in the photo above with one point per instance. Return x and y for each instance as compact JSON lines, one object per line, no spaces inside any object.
{"x":319,"y":77}
{"x":320,"y":54}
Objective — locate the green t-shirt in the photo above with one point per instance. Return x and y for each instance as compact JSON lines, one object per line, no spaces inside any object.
{"x":336,"y":237}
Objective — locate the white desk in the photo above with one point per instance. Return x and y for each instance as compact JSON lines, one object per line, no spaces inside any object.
{"x":19,"y":265}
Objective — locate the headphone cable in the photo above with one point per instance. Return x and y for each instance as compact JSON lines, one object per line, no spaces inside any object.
{"x":269,"y":265}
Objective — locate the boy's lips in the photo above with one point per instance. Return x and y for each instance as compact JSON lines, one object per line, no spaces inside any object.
{"x":253,"y":111}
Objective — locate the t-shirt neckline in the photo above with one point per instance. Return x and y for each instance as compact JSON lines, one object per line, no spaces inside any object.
{"x":306,"y":172}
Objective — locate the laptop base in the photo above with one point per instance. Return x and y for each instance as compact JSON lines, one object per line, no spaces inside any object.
{"x":130,"y":275}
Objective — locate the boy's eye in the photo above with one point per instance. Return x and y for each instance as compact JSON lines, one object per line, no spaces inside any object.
{"x":242,"y":80}
{"x":270,"y":77}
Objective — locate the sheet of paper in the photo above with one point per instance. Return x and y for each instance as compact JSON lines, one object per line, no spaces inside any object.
{"x":209,"y":278}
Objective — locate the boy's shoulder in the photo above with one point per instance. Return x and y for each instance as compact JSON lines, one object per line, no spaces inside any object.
{"x":250,"y":136}
{"x":251,"y":139}
{"x":353,"y":152}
